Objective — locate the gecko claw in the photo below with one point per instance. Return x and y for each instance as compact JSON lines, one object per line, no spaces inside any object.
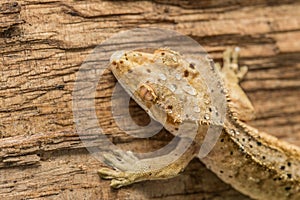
{"x":107,"y":173}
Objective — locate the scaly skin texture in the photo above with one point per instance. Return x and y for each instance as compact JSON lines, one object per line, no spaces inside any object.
{"x":253,"y":162}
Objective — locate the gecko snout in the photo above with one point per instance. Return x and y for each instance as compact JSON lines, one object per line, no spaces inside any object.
{"x":117,"y":56}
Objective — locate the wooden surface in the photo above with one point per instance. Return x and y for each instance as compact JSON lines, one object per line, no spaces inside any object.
{"x":42,"y":45}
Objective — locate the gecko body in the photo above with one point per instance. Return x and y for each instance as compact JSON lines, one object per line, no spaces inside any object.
{"x":172,"y":91}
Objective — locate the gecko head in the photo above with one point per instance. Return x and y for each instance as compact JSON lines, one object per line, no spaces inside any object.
{"x":122,"y":62}
{"x":162,"y":83}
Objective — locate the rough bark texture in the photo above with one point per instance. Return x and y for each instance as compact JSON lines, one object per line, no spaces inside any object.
{"x":42,"y":45}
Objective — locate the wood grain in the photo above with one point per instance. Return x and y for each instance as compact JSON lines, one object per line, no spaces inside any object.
{"x":42,"y":45}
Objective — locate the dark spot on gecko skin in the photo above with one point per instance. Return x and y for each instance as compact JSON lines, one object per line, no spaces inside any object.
{"x":114,"y":63}
{"x":222,"y":140}
{"x":282,"y":167}
{"x":176,"y":129}
{"x":130,"y":71}
{"x":289,"y":164}
{"x":263,"y":157}
{"x":230,"y":176}
{"x":210,"y":110}
{"x":243,"y":139}
{"x":231,"y":153}
{"x":221,"y":172}
{"x":148,"y":70}
{"x":289,"y":175}
{"x":162,"y":53}
{"x":186,"y":73}
{"x":121,"y":62}
{"x":250,"y":146}
{"x":170,"y":107}
{"x":192,"y":65}
{"x":258,"y":143}
{"x":287,"y":188}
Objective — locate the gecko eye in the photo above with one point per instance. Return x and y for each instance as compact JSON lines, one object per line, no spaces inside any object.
{"x":147,"y":93}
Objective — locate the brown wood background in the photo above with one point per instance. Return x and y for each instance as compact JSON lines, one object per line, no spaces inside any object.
{"x":42,"y":45}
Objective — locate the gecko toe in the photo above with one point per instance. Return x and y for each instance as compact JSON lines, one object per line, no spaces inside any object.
{"x":117,"y":183}
{"x":107,"y":173}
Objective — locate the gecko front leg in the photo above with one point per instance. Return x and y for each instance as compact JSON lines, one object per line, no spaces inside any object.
{"x":124,"y":172}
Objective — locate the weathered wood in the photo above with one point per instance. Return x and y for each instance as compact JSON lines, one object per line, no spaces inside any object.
{"x":42,"y":45}
{"x":10,"y":17}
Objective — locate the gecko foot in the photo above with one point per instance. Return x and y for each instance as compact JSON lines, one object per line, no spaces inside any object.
{"x":121,"y":161}
{"x":118,"y":178}
{"x":230,"y":64}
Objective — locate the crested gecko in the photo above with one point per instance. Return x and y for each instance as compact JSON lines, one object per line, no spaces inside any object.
{"x":253,"y":162}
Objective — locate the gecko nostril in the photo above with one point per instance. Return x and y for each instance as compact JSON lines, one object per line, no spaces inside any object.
{"x":192,"y":65}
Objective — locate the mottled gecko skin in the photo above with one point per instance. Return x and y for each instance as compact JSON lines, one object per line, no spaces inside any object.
{"x":253,"y":162}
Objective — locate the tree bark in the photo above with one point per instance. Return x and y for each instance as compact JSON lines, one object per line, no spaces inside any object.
{"x":43,"y":44}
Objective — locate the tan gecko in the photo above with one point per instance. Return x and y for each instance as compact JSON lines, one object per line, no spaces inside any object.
{"x":253,"y":162}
